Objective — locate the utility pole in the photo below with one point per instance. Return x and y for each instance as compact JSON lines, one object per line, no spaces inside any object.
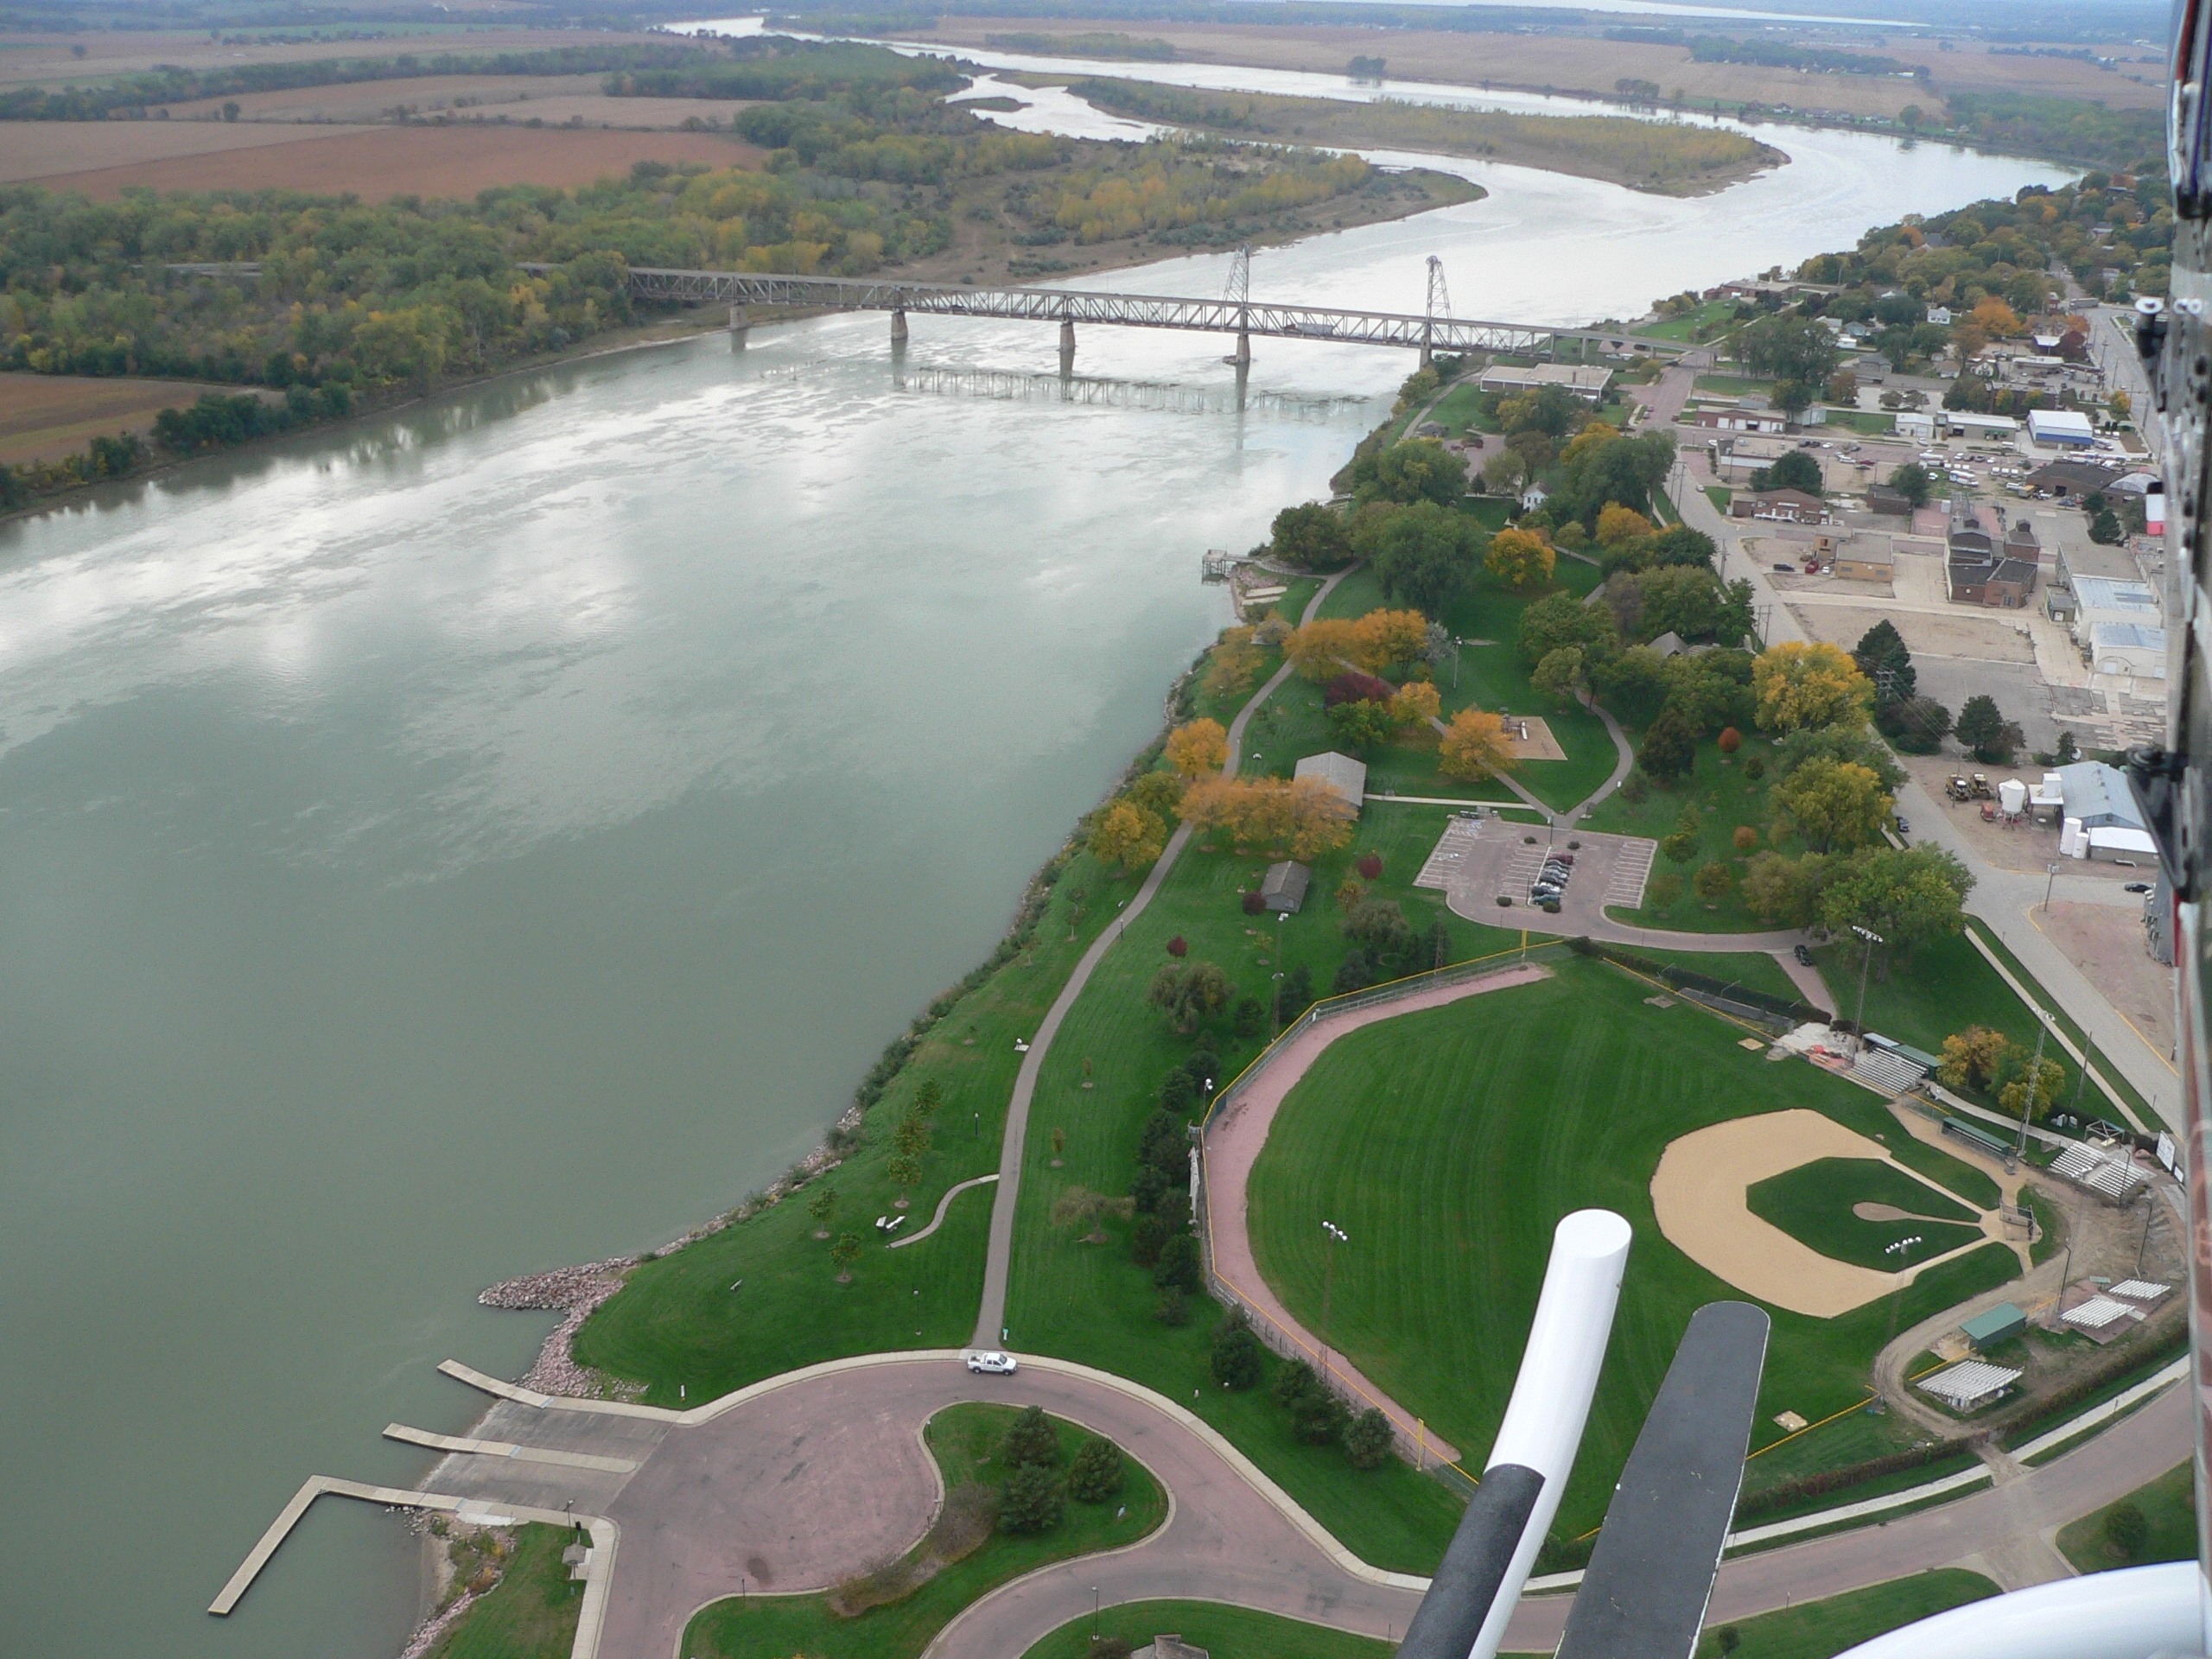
{"x":1867,"y":962}
{"x":1337,"y":1235}
{"x":2035,"y":1083}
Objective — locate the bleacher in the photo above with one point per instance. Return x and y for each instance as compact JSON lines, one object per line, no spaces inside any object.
{"x":1980,"y":1139}
{"x":1887,"y":1070}
{"x":2097,"y":1171}
{"x":2141,"y":1290}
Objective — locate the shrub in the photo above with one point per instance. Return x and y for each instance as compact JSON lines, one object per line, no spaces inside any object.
{"x":1096,"y":1473}
{"x":1635,"y":789}
{"x":2126,"y":1531}
{"x":1179,"y":1266}
{"x":1177,"y":1091}
{"x":1249,"y":1017}
{"x":1754,"y":768}
{"x":1236,"y":1362}
{"x":1353,"y":973}
{"x":1178,"y":946}
{"x":1030,"y":1438}
{"x":1367,"y":1439}
{"x":1110,"y":1647}
{"x":1172,"y":1310}
{"x":1316,"y":1414}
{"x":1371,"y":865}
{"x":1030,"y":1500}
{"x":1148,"y":1236}
{"x":1746,"y":838}
{"x":1731,"y":739}
{"x":1254,"y":901}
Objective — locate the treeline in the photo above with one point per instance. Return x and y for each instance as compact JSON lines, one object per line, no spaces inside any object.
{"x":1469,"y":20}
{"x":776,"y":68}
{"x":1646,"y":153}
{"x":1789,"y":54}
{"x":217,"y":421}
{"x":1175,"y":189}
{"x":2064,"y":129}
{"x":131,"y":96}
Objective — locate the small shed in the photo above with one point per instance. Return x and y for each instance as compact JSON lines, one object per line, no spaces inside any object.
{"x":1284,"y":887}
{"x":2001,"y":1324}
{"x":1342,"y":773}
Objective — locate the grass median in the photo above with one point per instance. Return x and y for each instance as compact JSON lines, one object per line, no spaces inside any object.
{"x":1820,"y":1630}
{"x":1232,"y":1632}
{"x":964,"y":1440}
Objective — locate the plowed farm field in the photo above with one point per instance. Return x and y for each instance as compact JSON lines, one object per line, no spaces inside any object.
{"x":102,"y":158}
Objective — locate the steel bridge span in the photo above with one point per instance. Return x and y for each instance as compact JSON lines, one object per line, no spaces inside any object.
{"x":1243,"y":318}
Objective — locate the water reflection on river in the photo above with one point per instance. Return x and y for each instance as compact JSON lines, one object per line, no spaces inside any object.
{"x":498,"y":835}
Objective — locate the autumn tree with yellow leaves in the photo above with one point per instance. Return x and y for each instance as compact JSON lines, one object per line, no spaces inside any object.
{"x":1127,"y":836}
{"x":1475,"y":747}
{"x":1520,"y":558}
{"x":1796,"y":686}
{"x":1303,"y":818}
{"x":1198,"y":747}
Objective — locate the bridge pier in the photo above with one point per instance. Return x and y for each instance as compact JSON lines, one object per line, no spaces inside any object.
{"x":898,"y":328}
{"x":1243,"y":356}
{"x":1067,"y":341}
{"x":740,"y":326}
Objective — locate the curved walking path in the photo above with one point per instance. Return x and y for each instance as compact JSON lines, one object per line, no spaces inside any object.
{"x":1233,"y":1143}
{"x":943,"y":1204}
{"x":990,"y":1318}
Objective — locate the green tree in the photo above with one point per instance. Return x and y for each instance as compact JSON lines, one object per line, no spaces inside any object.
{"x":1423,"y":553}
{"x":1795,"y":471}
{"x":822,"y":1208}
{"x":1560,"y":674}
{"x":1911,"y":482}
{"x":1097,"y":1472}
{"x":1361,"y":727}
{"x":1561,"y":619}
{"x":1882,"y":658}
{"x":1312,"y":537}
{"x":2105,"y":528}
{"x":1236,"y":1360}
{"x":911,"y":1135}
{"x":1368,"y":1438}
{"x":1180,"y":1267}
{"x":1669,"y":748}
{"x":1917,"y":726}
{"x":1783,"y":890}
{"x":2050,"y":1081}
{"x":1189,"y":992}
{"x":1030,"y":1438}
{"x":1831,"y":805}
{"x":1633,"y":684}
{"x":1420,"y":470}
{"x":1907,"y":897}
{"x":1788,"y":348}
{"x":1316,"y":1414}
{"x":1711,"y":882}
{"x":1030,"y":1500}
{"x":843,"y":1254}
{"x":1983,"y":729}
{"x":1661,"y":890}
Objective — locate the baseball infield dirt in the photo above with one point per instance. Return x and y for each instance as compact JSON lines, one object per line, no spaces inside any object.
{"x":1697,"y":1196}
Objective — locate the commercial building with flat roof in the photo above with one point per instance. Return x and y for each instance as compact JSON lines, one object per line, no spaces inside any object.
{"x":2067,"y":426}
{"x":1584,"y":381}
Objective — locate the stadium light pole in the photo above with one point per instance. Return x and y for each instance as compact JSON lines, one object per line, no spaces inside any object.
{"x":1902,"y":1248}
{"x":1337,"y":1235}
{"x":1867,"y":962}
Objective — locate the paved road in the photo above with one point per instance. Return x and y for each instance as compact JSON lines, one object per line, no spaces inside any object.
{"x":795,"y":1483}
{"x":990,"y":1319}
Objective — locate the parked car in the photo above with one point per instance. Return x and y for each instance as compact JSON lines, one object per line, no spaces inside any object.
{"x":1804,"y":955}
{"x":2137,"y":886}
{"x":1563,"y":858}
{"x":1905,"y":826}
{"x":1786,"y":570}
{"x":993,"y":1364}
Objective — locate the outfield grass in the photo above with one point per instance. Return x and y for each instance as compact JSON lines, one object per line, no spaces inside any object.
{"x":1942,"y":987}
{"x":1406,"y":1135}
{"x":962,"y":1440}
{"x":1814,"y":1202}
{"x":679,"y":1322}
{"x":531,"y":1614}
{"x":1820,"y":1630}
{"x":1751,"y":971}
{"x":2168,"y":1504}
{"x":1232,"y":1632}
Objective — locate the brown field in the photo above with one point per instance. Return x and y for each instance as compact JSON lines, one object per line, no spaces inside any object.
{"x":373,"y":100}
{"x":51,"y":150}
{"x":1566,"y":63}
{"x":45,"y":59}
{"x":46,"y":416}
{"x":371,"y":162}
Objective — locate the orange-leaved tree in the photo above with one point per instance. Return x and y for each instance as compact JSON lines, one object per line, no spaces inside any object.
{"x":1617,"y":523}
{"x":1320,"y":650}
{"x":1414,"y":704}
{"x":1800,"y":685}
{"x":1475,"y":745}
{"x":1127,"y":836}
{"x":1304,"y":818}
{"x":1199,"y":746}
{"x":1386,"y":637}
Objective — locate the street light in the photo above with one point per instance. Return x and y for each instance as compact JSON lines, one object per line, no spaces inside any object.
{"x":1337,"y":1235}
{"x":1873,"y":939}
{"x":1903,"y":1246}
{"x":2050,"y":877}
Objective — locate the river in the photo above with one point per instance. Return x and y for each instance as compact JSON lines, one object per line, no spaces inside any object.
{"x":499,"y":834}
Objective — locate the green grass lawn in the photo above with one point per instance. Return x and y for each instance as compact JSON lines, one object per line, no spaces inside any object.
{"x":1732,"y":385}
{"x":2169,"y":1505}
{"x":1232,"y":1632}
{"x":1690,"y":325}
{"x":1858,"y":1437}
{"x":1461,"y":410}
{"x":1090,"y":1302}
{"x":1820,"y":1630}
{"x":531,"y":1614}
{"x":1813,"y":1205}
{"x":1753,"y":970}
{"x":1942,"y":987}
{"x":1719,"y":495}
{"x":678,"y":1321}
{"x":1871,"y":422}
{"x":962,"y":1440}
{"x":1724,"y":800}
{"x":1407,"y":1135}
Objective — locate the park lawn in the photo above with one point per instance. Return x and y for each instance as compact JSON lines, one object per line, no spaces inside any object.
{"x":1091,"y":1303}
{"x":1726,"y":800}
{"x":1733,"y":385}
{"x":961,"y":1439}
{"x":1813,"y":1205}
{"x":2169,"y":1505}
{"x":1820,"y":1630}
{"x":2098,"y":1057}
{"x":1690,"y":324}
{"x":531,"y":1612}
{"x":1405,"y":1134}
{"x":1873,"y":422}
{"x":678,"y":1321}
{"x":1719,"y":495}
{"x":1233,"y":1632}
{"x":1461,"y":410}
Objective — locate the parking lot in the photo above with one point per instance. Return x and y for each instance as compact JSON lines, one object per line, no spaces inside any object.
{"x":1479,"y":862}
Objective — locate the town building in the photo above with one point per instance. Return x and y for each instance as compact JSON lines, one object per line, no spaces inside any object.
{"x":1865,"y":558}
{"x":1736,"y":420}
{"x":1965,"y":423}
{"x":1588,"y":382}
{"x":1881,"y":499}
{"x":1987,"y":564}
{"x":2136,"y":649}
{"x":2062,"y":427}
{"x":1342,"y":773}
{"x":1916,"y":424}
{"x":2065,"y":479}
{"x":1284,"y":885}
{"x":2102,"y":600}
{"x":1784,"y":507}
